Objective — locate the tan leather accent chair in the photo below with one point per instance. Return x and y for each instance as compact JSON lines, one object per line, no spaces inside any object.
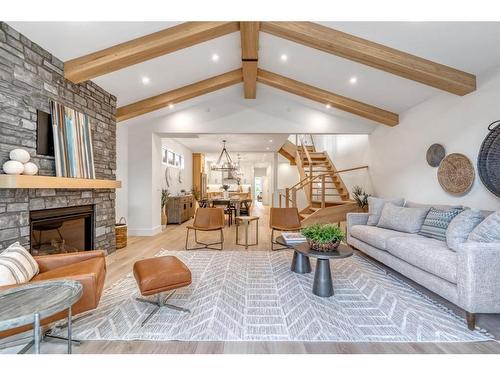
{"x":283,"y":220}
{"x":207,"y":220}
{"x":87,"y":267}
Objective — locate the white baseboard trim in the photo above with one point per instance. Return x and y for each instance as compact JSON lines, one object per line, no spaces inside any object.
{"x":144,"y":232}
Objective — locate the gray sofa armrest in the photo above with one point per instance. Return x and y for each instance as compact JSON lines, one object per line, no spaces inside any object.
{"x":479,"y":277}
{"x":355,"y":218}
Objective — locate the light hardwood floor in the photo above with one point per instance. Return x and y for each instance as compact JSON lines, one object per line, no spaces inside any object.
{"x":173,"y":238}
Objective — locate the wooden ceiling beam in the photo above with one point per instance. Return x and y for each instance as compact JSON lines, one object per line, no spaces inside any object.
{"x":249,"y":57}
{"x":178,"y":95}
{"x":375,"y":55}
{"x":144,"y":48}
{"x":328,"y":98}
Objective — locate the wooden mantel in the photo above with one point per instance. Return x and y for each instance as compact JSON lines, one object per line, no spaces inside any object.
{"x":48,"y":182}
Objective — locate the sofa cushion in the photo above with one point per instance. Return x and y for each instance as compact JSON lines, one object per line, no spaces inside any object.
{"x":375,"y":206}
{"x":402,"y":219}
{"x":436,"y":222}
{"x":427,"y":254}
{"x":488,"y":230}
{"x":460,"y":227}
{"x":375,"y":236}
{"x":17,"y":266}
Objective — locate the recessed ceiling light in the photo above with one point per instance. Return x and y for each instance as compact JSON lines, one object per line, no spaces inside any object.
{"x":284,"y":57}
{"x":271,"y":141}
{"x":267,"y":148}
{"x":171,"y":106}
{"x":328,"y":106}
{"x":145,"y":80}
{"x":353,"y":80}
{"x":215,"y":57}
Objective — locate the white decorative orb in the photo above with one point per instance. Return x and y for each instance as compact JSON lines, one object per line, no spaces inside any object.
{"x":30,"y":169}
{"x":13,"y":167}
{"x":20,"y":155}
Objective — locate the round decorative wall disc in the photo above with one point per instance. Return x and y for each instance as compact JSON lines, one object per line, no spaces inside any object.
{"x":456,"y":174}
{"x":435,"y":154}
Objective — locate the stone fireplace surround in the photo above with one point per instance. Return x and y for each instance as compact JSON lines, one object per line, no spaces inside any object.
{"x":29,"y":77}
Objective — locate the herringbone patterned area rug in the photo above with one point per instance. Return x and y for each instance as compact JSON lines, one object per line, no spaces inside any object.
{"x":253,"y":296}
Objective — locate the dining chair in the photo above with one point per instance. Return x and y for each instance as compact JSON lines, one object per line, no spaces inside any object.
{"x":207,"y":220}
{"x":283,"y":220}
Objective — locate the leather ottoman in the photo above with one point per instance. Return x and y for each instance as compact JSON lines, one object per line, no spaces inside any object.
{"x":161,"y":274}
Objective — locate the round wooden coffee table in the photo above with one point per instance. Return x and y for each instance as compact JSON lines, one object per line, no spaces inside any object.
{"x":300,"y":262}
{"x":322,"y":285}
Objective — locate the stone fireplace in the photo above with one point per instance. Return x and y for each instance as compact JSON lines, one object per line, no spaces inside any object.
{"x":29,"y":78}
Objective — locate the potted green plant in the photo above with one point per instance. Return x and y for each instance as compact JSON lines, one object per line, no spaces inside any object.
{"x":164,"y":201}
{"x":323,"y":237}
{"x":361,"y":197}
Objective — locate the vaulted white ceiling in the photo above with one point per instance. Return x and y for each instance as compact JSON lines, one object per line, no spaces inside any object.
{"x":469,"y":46}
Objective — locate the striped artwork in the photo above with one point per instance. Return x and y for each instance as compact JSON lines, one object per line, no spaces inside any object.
{"x":72,"y":142}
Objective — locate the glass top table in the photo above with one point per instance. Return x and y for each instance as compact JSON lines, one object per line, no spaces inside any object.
{"x":30,"y":303}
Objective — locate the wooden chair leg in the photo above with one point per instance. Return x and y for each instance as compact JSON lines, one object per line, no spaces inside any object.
{"x":471,"y":320}
{"x":187,"y":238}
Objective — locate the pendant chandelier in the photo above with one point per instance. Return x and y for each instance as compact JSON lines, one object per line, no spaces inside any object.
{"x":224,"y":163}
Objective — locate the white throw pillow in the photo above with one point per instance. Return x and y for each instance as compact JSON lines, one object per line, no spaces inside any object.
{"x":402,"y":219}
{"x":488,"y":230}
{"x":461,"y":226}
{"x":17,"y":266}
{"x":375,"y":206}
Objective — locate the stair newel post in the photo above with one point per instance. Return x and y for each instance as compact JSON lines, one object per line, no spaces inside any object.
{"x":310,"y":190}
{"x":323,"y":203}
{"x":287,"y":199}
{"x":294,"y":197}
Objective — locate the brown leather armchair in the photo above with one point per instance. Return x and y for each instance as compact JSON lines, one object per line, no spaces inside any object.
{"x":207,"y":220}
{"x":87,"y":267}
{"x":283,"y":220}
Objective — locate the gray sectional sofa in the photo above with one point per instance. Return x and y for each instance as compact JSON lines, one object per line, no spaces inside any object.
{"x":468,"y":276}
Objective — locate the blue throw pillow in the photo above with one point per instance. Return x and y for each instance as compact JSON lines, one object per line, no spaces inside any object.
{"x":436,"y":222}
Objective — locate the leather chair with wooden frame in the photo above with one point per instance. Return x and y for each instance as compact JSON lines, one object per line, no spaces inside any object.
{"x":207,"y":220}
{"x":283,"y":220}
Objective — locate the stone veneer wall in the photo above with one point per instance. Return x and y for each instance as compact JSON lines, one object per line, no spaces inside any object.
{"x":29,"y":78}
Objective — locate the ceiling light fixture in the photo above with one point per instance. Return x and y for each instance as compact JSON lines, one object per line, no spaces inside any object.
{"x":267,"y":148}
{"x":353,"y":80}
{"x":328,"y":106}
{"x":215,"y":57}
{"x":224,"y":162}
{"x":145,"y":80}
{"x":271,"y":141}
{"x":171,"y":105}
{"x":284,"y":57}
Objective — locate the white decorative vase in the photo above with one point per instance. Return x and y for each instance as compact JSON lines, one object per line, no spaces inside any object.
{"x":225,"y":194}
{"x":13,"y":167}
{"x":19,"y":155}
{"x":30,"y":169}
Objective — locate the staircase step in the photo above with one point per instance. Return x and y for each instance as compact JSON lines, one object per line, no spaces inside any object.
{"x":326,"y":195}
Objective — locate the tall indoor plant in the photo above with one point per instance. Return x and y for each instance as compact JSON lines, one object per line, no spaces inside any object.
{"x":164,"y":201}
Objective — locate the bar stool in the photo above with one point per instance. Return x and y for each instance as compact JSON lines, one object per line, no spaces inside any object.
{"x":246,"y":220}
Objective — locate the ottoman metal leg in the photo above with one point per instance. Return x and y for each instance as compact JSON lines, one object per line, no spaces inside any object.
{"x":158,"y":304}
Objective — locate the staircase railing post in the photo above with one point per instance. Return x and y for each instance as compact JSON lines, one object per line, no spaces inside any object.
{"x":323,"y":203}
{"x":287,"y":197}
{"x":294,"y":197}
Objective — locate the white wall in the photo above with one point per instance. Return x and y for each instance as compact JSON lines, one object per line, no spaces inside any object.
{"x":398,"y":165}
{"x":348,"y":151}
{"x":121,"y":203}
{"x":187,"y":173}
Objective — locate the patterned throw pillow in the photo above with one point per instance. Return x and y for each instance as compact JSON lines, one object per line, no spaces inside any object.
{"x":436,"y":222}
{"x":488,"y":230}
{"x":17,"y":266}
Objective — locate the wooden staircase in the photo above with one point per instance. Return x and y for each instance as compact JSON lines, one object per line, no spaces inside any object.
{"x":327,"y":195}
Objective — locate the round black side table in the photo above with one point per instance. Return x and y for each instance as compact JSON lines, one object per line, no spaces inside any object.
{"x":300,"y":262}
{"x":322,"y":285}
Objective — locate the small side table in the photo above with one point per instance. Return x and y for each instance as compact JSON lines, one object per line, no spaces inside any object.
{"x":300,"y":262}
{"x":31,"y":303}
{"x":246,"y":220}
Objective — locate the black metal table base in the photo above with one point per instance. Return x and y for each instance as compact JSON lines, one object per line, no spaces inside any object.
{"x":300,"y":263}
{"x":322,"y":285}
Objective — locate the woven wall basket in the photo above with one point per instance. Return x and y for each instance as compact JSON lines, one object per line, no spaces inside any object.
{"x":488,"y":160}
{"x":435,"y":154}
{"x":456,"y":174}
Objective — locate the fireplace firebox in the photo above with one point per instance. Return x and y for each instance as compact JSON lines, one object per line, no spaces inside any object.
{"x":62,"y":230}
